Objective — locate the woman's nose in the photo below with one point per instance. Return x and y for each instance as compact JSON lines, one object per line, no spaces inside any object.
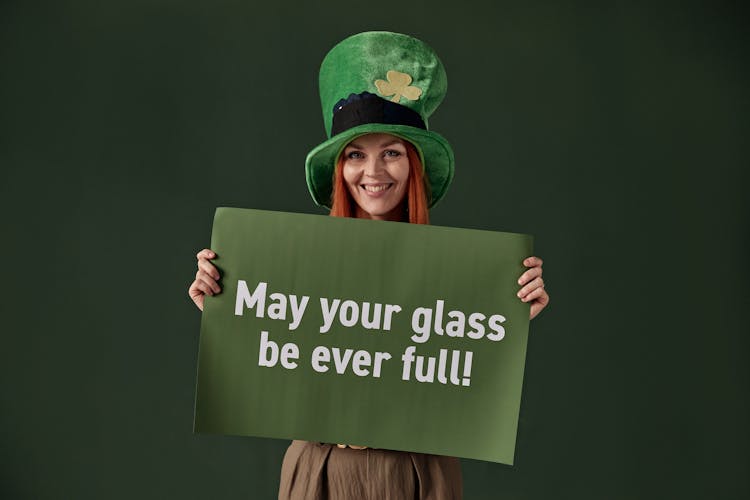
{"x":373,"y":166}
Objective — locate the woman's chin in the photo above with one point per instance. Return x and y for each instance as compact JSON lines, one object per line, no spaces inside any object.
{"x":382,"y":211}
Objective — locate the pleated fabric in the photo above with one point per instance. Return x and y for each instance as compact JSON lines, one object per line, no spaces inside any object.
{"x":317,"y":471}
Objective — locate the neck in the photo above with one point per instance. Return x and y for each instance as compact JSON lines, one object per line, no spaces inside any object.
{"x":398,"y":214}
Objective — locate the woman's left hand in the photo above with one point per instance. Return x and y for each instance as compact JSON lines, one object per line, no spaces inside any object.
{"x":532,"y":290}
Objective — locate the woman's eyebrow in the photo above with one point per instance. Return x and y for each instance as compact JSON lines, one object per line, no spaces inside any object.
{"x":384,"y":145}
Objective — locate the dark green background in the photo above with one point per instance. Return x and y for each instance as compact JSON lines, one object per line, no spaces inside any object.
{"x":616,"y":134}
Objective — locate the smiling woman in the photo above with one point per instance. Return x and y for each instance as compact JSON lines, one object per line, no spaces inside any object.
{"x":372,"y":177}
{"x":379,"y":162}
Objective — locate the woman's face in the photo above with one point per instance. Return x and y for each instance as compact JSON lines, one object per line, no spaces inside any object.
{"x":376,"y":171}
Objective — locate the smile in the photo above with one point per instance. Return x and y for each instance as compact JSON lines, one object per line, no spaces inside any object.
{"x":375,"y":188}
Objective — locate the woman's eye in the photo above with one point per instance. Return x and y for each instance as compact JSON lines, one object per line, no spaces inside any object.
{"x":392,"y":153}
{"x":355,"y":155}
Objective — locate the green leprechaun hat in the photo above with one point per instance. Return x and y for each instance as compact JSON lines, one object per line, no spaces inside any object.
{"x":380,"y":82}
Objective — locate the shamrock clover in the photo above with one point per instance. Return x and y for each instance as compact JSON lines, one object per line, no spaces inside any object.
{"x":398,"y":86}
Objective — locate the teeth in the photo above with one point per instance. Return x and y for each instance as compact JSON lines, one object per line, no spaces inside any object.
{"x":376,"y":189}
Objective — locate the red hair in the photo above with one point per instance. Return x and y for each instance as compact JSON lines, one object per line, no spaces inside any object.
{"x":342,"y":204}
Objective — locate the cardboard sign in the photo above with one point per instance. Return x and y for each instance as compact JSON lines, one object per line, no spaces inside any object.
{"x":383,"y":334}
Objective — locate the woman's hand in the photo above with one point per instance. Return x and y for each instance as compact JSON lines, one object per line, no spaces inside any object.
{"x":205,"y":279}
{"x":532,"y":290}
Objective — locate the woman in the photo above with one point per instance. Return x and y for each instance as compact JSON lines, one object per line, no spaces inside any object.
{"x":380,"y":162}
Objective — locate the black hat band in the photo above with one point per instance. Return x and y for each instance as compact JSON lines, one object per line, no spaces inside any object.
{"x":359,"y":109}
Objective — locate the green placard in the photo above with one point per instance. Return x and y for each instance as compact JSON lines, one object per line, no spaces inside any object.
{"x":385,"y":334}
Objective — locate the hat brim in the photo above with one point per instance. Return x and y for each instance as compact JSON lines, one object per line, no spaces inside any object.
{"x":436,"y":153}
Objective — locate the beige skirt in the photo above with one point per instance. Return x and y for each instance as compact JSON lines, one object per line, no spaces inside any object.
{"x":315,"y":471}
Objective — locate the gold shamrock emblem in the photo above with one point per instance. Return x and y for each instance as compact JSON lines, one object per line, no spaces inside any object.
{"x":398,"y":86}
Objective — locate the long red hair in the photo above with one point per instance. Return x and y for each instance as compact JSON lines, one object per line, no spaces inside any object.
{"x":342,"y":204}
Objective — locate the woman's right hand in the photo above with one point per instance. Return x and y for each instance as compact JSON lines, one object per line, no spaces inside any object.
{"x":206,"y":279}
